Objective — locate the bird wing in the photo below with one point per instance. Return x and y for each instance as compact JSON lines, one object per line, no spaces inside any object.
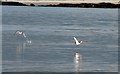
{"x":24,"y":35}
{"x":76,"y":40}
{"x":16,"y":32}
{"x":81,"y":42}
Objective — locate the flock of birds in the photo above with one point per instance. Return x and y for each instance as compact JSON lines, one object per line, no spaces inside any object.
{"x":76,"y":56}
{"x":24,"y":35}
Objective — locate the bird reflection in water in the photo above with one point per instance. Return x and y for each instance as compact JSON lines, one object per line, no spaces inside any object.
{"x":77,"y":61}
{"x":20,"y":48}
{"x":22,"y":41}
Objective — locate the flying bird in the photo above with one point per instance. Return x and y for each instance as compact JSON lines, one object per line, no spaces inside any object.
{"x":77,"y":42}
{"x":24,"y":35}
{"x":20,"y":33}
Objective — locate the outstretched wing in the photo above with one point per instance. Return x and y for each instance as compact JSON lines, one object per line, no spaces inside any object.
{"x":24,"y":35}
{"x":16,"y":32}
{"x":76,"y":41}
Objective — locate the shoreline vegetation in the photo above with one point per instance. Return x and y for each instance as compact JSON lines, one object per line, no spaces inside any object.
{"x":78,"y":5}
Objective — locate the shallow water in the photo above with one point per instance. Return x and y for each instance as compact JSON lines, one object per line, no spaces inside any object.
{"x":51,"y":31}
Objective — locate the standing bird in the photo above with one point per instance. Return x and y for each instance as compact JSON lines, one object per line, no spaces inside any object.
{"x":77,"y":42}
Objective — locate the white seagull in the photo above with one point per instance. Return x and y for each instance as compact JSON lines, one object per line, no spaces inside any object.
{"x":20,"y":33}
{"x":23,"y":34}
{"x":77,"y":42}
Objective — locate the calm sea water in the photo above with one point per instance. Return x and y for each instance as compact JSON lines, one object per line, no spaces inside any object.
{"x":51,"y":31}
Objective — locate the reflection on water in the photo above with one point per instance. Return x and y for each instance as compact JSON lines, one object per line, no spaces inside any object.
{"x":77,"y":68}
{"x":20,"y":47}
{"x":20,"y":50}
{"x":77,"y":62}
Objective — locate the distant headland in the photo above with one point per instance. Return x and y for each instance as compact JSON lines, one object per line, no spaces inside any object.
{"x":13,"y":4}
{"x":87,"y":5}
{"x":78,"y":5}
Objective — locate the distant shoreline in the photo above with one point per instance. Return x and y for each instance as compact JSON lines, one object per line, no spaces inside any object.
{"x":13,"y":4}
{"x":78,"y":5}
{"x":87,"y":5}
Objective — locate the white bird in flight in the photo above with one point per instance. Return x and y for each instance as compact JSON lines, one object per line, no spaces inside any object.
{"x":23,"y":34}
{"x":20,"y":33}
{"x":77,"y":42}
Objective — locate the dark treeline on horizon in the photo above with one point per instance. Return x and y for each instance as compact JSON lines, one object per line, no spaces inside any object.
{"x":81,"y":5}
{"x":88,"y":5}
{"x":13,"y":4}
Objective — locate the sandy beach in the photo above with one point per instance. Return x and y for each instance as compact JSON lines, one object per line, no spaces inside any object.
{"x":71,"y":2}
